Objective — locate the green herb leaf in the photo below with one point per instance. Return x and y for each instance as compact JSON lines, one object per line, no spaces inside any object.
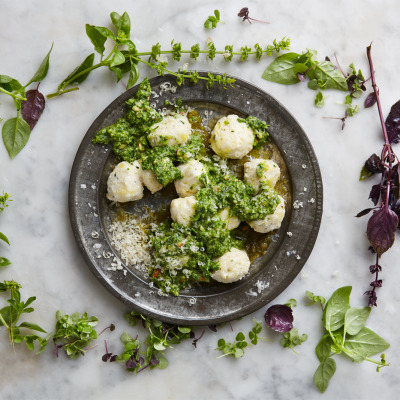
{"x":319,"y":100}
{"x":324,"y":348}
{"x":365,"y":173}
{"x":9,"y":84}
{"x":212,"y":20}
{"x":335,"y":309}
{"x":118,"y":58}
{"x":324,"y":373}
{"x":314,"y":298}
{"x":77,"y":76}
{"x":133,"y":76}
{"x":4,"y":262}
{"x":15,"y":133}
{"x":355,"y":319}
{"x":96,"y":37}
{"x":34,"y":327}
{"x":365,"y":343}
{"x":4,"y":238}
{"x":41,"y":73}
{"x":281,"y":70}
{"x":333,"y":78}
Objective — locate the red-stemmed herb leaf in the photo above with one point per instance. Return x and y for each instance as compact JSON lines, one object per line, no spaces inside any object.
{"x":392,"y":124}
{"x":364,"y":212}
{"x":381,"y":229}
{"x":33,"y":107}
{"x":374,"y":164}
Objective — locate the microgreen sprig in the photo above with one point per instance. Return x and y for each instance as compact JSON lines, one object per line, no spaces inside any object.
{"x":212,"y":20}
{"x":4,"y":198}
{"x":125,"y":58}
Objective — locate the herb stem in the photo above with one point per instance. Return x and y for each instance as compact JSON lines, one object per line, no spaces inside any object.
{"x":14,"y":96}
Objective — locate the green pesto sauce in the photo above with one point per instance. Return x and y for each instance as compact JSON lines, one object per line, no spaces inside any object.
{"x":129,"y":136}
{"x":260,"y":129}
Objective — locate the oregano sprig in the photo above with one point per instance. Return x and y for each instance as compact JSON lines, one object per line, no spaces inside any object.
{"x":124,"y":57}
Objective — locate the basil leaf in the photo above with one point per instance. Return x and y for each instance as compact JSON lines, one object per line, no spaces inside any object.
{"x":15,"y":133}
{"x":33,"y":107}
{"x":365,"y":343}
{"x":355,"y":319}
{"x":29,"y":325}
{"x":323,"y":349}
{"x":9,"y":315}
{"x":41,"y":73}
{"x":4,"y":238}
{"x":9,"y":84}
{"x":72,"y":78}
{"x":96,"y":37}
{"x":325,"y":72}
{"x":365,"y":173}
{"x":324,"y":373}
{"x":133,"y":76}
{"x":122,"y":24}
{"x":4,"y":262}
{"x":118,"y":58}
{"x":281,"y":70}
{"x":335,"y":309}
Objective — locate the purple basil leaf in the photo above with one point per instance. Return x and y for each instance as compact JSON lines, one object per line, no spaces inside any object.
{"x":131,"y":363}
{"x":33,"y":107}
{"x":106,"y":357}
{"x":373,"y":164}
{"x":375,"y":193}
{"x":279,"y":318}
{"x":392,"y":124}
{"x":364,"y":212}
{"x":370,"y":100}
{"x":381,"y":229}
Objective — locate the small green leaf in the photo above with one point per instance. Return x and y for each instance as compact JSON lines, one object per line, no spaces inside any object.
{"x":163,"y":363}
{"x":323,"y":349}
{"x":77,"y":76}
{"x":325,"y":72}
{"x":324,"y":373}
{"x":4,"y":238}
{"x":29,"y":325}
{"x":364,"y":174}
{"x":217,"y":14}
{"x":355,"y":319}
{"x":41,"y":73}
{"x":159,"y":346}
{"x":365,"y":342}
{"x":319,"y":100}
{"x":16,"y":134}
{"x":9,"y":84}
{"x":133,"y":76}
{"x":9,"y":314}
{"x":335,"y":309}
{"x":96,"y":37}
{"x":118,"y":58}
{"x":240,"y":336}
{"x":4,"y":262}
{"x":281,"y":70}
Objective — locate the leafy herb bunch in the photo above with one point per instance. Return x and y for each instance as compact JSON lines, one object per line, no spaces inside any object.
{"x":291,"y":68}
{"x":9,"y":317}
{"x":30,"y":104}
{"x":161,"y":336}
{"x":385,"y":195}
{"x":345,"y":332}
{"x":124,"y":56}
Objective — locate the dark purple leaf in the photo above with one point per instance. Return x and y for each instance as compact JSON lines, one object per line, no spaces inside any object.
{"x":375,"y":268}
{"x":373,"y":164}
{"x":131,"y":363}
{"x":370,"y":100}
{"x":381,"y":229}
{"x":392,"y":124}
{"x":33,"y":107}
{"x":244,"y":12}
{"x":375,"y":193}
{"x":364,"y":212}
{"x":212,"y":328}
{"x":279,"y":318}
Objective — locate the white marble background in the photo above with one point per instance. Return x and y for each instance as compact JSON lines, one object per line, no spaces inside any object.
{"x":46,"y":259}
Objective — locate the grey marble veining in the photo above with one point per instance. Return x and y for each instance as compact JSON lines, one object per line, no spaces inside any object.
{"x":46,"y":259}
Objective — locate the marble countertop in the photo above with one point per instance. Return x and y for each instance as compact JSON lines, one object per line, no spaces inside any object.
{"x":47,"y":262}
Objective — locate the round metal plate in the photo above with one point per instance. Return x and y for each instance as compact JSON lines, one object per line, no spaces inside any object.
{"x":269,"y":275}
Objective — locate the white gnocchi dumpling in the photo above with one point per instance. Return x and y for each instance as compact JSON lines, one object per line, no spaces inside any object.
{"x":259,"y":170}
{"x":271,"y":221}
{"x":172,"y":130}
{"x":231,"y":138}
{"x":189,"y":184}
{"x":182,"y":209}
{"x":125,"y":182}
{"x":232,"y":222}
{"x":150,"y":181}
{"x":233,"y":266}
